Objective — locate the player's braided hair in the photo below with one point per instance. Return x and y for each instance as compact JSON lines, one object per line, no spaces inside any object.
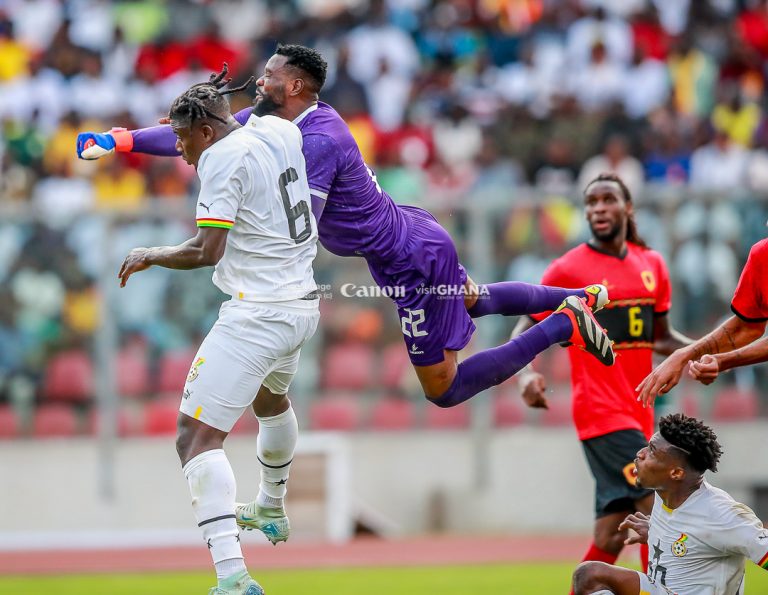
{"x":632,"y":234}
{"x":205,"y":100}
{"x":306,"y":59}
{"x":697,"y":441}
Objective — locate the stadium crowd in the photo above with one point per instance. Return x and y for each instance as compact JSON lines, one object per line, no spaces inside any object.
{"x":456,"y":104}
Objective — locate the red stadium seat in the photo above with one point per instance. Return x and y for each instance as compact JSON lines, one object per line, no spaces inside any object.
{"x":341,"y":412}
{"x":132,"y":371}
{"x":733,"y":404}
{"x":54,"y":421}
{"x":348,"y":367}
{"x":160,"y":417}
{"x":69,"y":377}
{"x":452,"y":418}
{"x":174,"y":368}
{"x":559,"y":412}
{"x":508,"y":408}
{"x":394,"y":365}
{"x":9,"y":422}
{"x":393,"y":413}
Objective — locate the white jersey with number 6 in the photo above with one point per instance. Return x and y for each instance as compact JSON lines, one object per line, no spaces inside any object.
{"x":701,"y":547}
{"x":254,"y":183}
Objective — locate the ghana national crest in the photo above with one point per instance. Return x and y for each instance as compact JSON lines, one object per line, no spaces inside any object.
{"x":679,"y":548}
{"x":194,"y":371}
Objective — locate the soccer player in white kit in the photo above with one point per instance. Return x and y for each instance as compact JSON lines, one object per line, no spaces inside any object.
{"x":256,"y":228}
{"x":699,"y":537}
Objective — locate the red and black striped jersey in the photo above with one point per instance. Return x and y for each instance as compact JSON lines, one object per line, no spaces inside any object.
{"x":604,"y":399}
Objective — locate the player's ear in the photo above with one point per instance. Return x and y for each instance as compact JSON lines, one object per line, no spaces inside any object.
{"x":677,"y":473}
{"x":297,"y":86}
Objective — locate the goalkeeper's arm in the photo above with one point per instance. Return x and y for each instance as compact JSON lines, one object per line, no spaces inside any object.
{"x":156,"y":140}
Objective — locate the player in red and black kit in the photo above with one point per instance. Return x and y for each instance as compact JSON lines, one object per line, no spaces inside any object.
{"x":736,"y":342}
{"x":611,"y":424}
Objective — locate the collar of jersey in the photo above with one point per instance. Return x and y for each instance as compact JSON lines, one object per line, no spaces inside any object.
{"x":621,"y":256}
{"x":304,"y":114}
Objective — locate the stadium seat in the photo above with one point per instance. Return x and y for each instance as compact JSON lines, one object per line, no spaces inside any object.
{"x":160,"y":417}
{"x":54,"y":421}
{"x":132,"y":372}
{"x":453,"y":418}
{"x":338,"y":412}
{"x":9,"y":422}
{"x":559,"y":412}
{"x":393,"y":413}
{"x":69,"y":377}
{"x":348,"y":367}
{"x":734,"y":404}
{"x":508,"y":408}
{"x":173,"y":371}
{"x":394,"y":365}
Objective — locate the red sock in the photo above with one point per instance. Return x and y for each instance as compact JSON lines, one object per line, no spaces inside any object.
{"x":644,"y":557}
{"x":595,"y":554}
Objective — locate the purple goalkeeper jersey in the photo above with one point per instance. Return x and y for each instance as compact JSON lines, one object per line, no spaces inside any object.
{"x":360,"y":219}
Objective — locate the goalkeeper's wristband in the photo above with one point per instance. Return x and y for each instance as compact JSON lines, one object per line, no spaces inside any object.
{"x":123,"y":140}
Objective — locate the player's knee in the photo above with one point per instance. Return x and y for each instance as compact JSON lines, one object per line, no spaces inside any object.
{"x":586,"y":577}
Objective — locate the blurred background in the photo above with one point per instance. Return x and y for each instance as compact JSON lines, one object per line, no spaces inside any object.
{"x":492,"y":114}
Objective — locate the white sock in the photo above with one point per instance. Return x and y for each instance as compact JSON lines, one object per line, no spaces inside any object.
{"x":212,"y":486}
{"x":275,"y":446}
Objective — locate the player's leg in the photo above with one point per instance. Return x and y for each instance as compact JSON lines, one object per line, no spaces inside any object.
{"x":611,"y":460}
{"x":513,"y":298}
{"x":599,"y":578}
{"x":225,"y":376}
{"x":278,"y":432}
{"x":448,"y":383}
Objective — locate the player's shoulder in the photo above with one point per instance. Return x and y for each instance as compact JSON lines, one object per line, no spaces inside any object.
{"x":760,"y":248}
{"x":648,"y":254}
{"x":226,"y":153}
{"x":272,"y":125}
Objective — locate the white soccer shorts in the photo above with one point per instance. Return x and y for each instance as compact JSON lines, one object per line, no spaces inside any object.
{"x":252,"y":344}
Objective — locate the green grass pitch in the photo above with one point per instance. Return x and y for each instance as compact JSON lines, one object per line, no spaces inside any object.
{"x":517,"y":579}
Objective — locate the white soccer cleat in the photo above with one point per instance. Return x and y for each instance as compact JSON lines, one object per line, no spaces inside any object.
{"x":240,"y":585}
{"x":273,"y":522}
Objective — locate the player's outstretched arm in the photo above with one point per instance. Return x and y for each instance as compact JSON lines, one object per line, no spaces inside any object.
{"x":708,"y":367}
{"x":205,"y":249}
{"x":156,"y":140}
{"x":729,"y":336}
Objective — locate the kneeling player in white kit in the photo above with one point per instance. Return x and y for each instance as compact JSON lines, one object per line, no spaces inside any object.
{"x":256,"y":228}
{"x":700,"y":538}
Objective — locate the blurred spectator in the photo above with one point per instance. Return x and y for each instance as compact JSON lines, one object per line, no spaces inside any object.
{"x":599,"y":83}
{"x":616,"y":159}
{"x":719,"y":165}
{"x":345,"y":94}
{"x":738,"y":119}
{"x":693,"y":77}
{"x":645,"y":86}
{"x":117,"y":186}
{"x":599,"y":29}
{"x":14,"y":56}
{"x":650,"y":38}
{"x":458,"y":137}
{"x":34,"y":21}
{"x":673,"y":14}
{"x":91,"y":93}
{"x":752,"y":26}
{"x":556,"y":171}
{"x":667,"y":160}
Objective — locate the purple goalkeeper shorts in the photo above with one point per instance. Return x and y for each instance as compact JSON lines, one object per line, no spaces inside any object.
{"x":427,"y":282}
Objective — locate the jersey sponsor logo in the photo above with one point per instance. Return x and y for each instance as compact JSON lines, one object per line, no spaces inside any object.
{"x":414,"y":350}
{"x":194,"y":371}
{"x":649,"y":280}
{"x":679,"y":548}
{"x":629,"y":474}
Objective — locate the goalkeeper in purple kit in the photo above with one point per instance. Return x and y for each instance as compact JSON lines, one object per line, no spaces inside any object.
{"x":403,"y":246}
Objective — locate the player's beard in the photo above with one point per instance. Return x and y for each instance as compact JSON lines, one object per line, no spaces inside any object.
{"x":608,"y":236}
{"x":266,"y":106}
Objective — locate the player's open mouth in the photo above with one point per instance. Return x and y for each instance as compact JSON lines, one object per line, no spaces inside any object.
{"x":601,"y":225}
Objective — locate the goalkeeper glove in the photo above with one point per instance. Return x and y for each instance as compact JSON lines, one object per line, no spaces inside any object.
{"x":94,"y":145}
